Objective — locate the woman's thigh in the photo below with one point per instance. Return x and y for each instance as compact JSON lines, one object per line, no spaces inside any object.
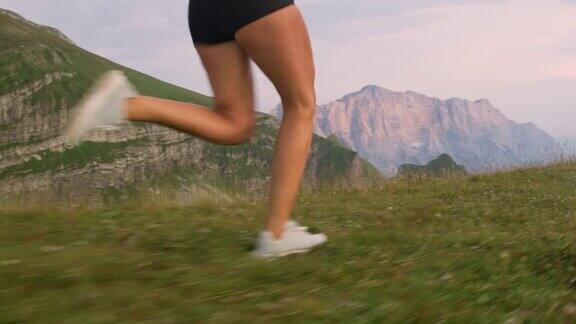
{"x":228,"y":69}
{"x":280,"y":45}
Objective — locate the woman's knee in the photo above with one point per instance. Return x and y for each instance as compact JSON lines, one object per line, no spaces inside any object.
{"x":302,"y":102}
{"x":240,"y":132}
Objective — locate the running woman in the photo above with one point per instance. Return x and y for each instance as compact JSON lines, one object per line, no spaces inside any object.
{"x":227,"y":34}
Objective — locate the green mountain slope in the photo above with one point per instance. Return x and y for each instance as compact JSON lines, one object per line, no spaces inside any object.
{"x":42,"y":76}
{"x":442,"y":165}
{"x":482,"y":249}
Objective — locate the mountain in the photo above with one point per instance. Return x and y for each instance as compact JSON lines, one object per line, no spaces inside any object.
{"x":442,"y":165}
{"x":391,"y":128}
{"x":567,"y":146}
{"x":43,"y":74}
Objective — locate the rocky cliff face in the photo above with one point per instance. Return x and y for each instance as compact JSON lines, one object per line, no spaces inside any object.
{"x":393,"y":128}
{"x":43,"y":74}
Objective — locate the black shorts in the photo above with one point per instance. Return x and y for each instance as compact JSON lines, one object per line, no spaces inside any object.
{"x":216,"y":21}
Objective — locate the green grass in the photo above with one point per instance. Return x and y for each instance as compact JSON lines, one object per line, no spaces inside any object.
{"x":478,"y":249}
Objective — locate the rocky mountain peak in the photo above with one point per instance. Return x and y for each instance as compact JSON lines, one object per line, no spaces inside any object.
{"x":369,"y":91}
{"x":391,"y":128}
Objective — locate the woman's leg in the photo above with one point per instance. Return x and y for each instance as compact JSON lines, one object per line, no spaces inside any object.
{"x":232,"y":119}
{"x":280,"y":46}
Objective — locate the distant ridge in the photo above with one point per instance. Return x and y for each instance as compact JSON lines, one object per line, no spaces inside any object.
{"x":50,"y":29}
{"x":442,"y":165}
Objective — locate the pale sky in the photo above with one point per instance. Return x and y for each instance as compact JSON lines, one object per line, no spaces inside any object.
{"x":520,"y":54}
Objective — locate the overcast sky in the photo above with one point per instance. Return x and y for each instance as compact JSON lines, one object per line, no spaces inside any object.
{"x":520,"y":54}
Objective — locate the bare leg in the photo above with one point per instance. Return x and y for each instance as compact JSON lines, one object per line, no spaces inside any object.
{"x":279,"y":44}
{"x":232,"y":119}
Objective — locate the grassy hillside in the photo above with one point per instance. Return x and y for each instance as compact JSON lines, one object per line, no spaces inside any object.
{"x":478,"y":249}
{"x":29,"y":53}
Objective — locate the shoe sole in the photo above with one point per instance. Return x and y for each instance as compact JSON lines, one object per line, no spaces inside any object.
{"x":278,"y":255}
{"x":283,"y":254}
{"x":87,"y":108}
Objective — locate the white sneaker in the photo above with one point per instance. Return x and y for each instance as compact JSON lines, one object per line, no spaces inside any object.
{"x":294,"y":240}
{"x":295,"y":224}
{"x":102,"y":106}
